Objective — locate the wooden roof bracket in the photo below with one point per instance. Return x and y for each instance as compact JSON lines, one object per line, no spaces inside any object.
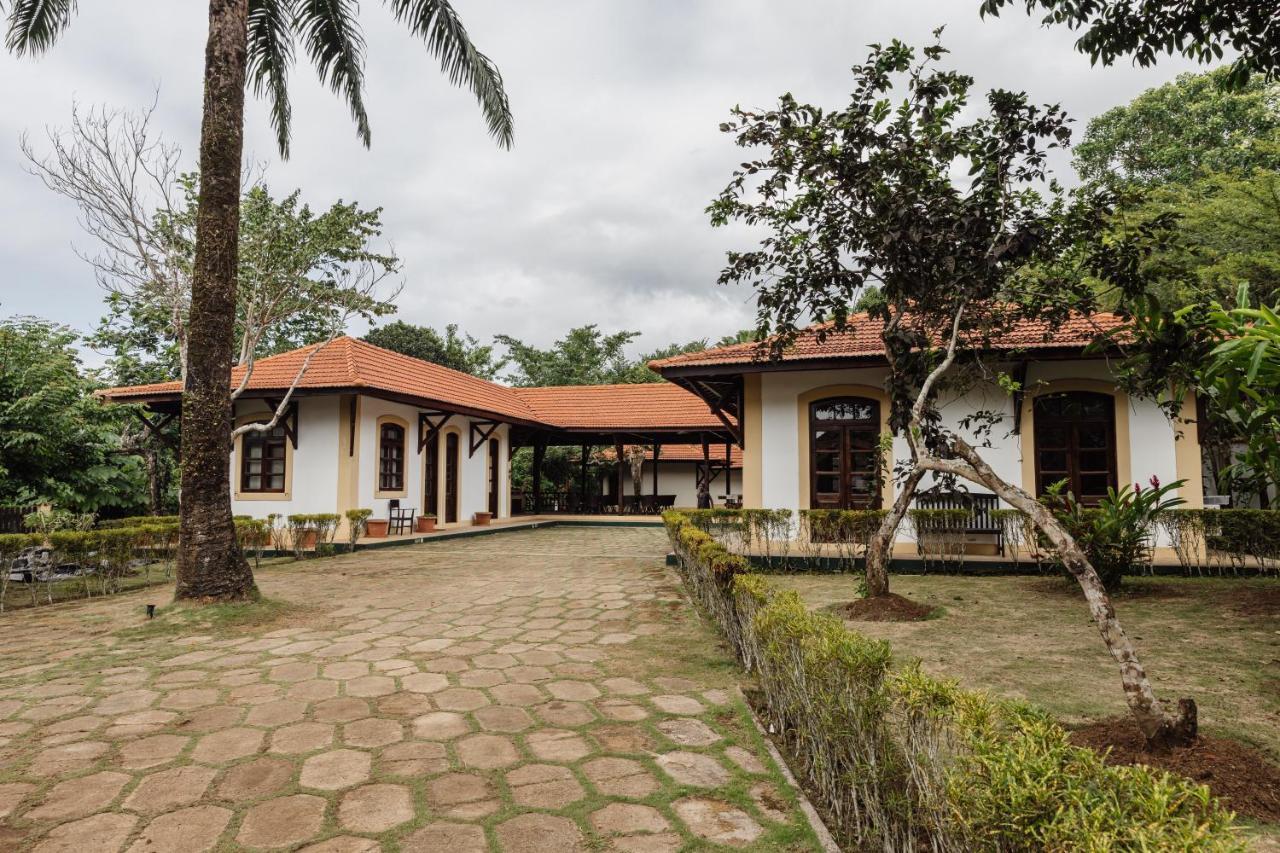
{"x":481,"y":431}
{"x":429,"y":424}
{"x":288,"y":420}
{"x":1020,"y":377}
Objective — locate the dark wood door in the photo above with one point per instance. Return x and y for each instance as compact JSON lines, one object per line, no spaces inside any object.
{"x":494,"y":461}
{"x":844,"y":434}
{"x":431,"y":473}
{"x":451,"y":478}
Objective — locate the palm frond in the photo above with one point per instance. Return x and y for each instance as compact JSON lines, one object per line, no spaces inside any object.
{"x":270,"y":58}
{"x":332,"y":39}
{"x":436,"y":22}
{"x":34,"y":25}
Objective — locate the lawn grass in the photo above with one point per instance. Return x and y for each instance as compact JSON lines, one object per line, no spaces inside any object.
{"x":1216,"y":640}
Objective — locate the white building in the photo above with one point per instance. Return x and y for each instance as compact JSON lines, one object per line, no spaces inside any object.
{"x":369,"y":426}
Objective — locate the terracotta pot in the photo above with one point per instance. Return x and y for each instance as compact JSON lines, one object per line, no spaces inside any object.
{"x":307,"y":539}
{"x":426,"y":525}
{"x":483,"y":518}
{"x":375,"y":528}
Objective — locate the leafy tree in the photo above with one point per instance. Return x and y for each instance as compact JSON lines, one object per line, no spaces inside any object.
{"x":252,"y":43}
{"x":742,"y":336}
{"x":584,"y":356}
{"x":867,"y":195}
{"x":57,"y":443}
{"x":1198,"y":29}
{"x":452,"y":350}
{"x":1182,"y":131}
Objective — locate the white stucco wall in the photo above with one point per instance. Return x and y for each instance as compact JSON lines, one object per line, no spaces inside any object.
{"x":314,"y":464}
{"x":1151,"y":435}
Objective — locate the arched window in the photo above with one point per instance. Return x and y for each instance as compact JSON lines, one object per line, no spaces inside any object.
{"x":391,"y":458}
{"x":844,"y":433}
{"x":262,"y":460}
{"x":451,"y":464}
{"x":431,"y":488}
{"x":1075,"y":440}
{"x":495,"y":479}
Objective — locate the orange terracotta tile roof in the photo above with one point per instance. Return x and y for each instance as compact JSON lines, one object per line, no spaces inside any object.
{"x":354,"y":365}
{"x":688,"y":453}
{"x":861,"y":340}
{"x":652,"y":405}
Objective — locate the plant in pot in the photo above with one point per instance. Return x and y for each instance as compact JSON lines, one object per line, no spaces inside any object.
{"x":302,"y":533}
{"x":426,"y":523}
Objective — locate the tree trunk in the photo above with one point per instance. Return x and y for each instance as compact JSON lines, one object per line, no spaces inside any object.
{"x":210,"y":566}
{"x":1158,"y":726}
{"x":880,"y":549}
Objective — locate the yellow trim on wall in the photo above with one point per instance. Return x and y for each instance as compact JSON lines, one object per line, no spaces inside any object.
{"x":753,"y":452}
{"x":802,"y":415}
{"x":348,"y":466}
{"x":1186,"y":455}
{"x":1124,"y":472}
{"x":377,"y":457}
{"x":287,"y":494}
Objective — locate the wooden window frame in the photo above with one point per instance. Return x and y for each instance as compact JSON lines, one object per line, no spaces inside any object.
{"x":846,"y":427}
{"x":267,"y":438}
{"x":1072,"y":449}
{"x":400,"y":489}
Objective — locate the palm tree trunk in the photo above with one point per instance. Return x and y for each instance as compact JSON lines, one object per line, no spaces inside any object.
{"x":210,"y":566}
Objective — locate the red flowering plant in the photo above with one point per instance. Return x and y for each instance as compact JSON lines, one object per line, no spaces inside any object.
{"x":1117,"y":533}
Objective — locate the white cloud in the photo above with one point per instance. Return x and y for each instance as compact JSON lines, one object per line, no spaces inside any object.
{"x":596,"y":215}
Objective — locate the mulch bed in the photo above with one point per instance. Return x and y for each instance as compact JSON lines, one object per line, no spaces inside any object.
{"x":1243,"y":777}
{"x":1256,"y":601}
{"x":882,"y":608}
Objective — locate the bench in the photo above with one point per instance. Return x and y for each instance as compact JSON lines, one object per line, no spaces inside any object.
{"x":981,"y":508}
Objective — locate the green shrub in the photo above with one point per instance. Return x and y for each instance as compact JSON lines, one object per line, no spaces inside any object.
{"x":356,"y":520}
{"x":252,"y":534}
{"x":902,"y":760}
{"x":137,"y":521}
{"x":12,"y":546}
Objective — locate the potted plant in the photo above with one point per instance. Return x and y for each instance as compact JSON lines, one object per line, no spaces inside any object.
{"x":356,"y":521}
{"x":483,"y":518}
{"x":426,"y":523}
{"x":376,"y":528}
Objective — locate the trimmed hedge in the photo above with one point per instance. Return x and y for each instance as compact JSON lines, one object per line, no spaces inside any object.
{"x":901,"y":760}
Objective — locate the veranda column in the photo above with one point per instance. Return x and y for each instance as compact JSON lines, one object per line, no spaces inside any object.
{"x":539,"y":450}
{"x":657,"y":449}
{"x":617,"y":450}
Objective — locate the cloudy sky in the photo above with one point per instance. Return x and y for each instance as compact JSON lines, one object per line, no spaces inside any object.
{"x":595,"y":216}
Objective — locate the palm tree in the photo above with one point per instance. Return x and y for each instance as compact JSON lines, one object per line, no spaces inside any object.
{"x":253,"y":42}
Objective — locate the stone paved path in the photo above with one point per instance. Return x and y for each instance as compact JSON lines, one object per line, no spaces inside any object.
{"x":546,"y":690}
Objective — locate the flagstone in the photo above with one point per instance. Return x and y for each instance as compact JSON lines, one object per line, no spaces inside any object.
{"x":101,"y":832}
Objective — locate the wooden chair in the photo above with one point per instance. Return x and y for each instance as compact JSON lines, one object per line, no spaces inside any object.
{"x":400,"y":519}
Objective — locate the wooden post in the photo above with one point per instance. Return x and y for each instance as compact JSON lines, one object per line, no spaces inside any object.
{"x":622,"y":465}
{"x":728,"y":468}
{"x":539,"y":450}
{"x":582,"y":498}
{"x":706,"y":467}
{"x":657,"y":449}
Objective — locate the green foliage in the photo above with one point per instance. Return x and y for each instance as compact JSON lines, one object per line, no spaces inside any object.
{"x":312,"y":530}
{"x":895,"y":758}
{"x":356,"y":519}
{"x":58,"y":444}
{"x":452,"y":350}
{"x":1116,"y":535}
{"x":1243,"y":536}
{"x":296,"y":281}
{"x":1182,"y":131}
{"x":585,"y":356}
{"x":1202,"y":30}
{"x":137,"y":520}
